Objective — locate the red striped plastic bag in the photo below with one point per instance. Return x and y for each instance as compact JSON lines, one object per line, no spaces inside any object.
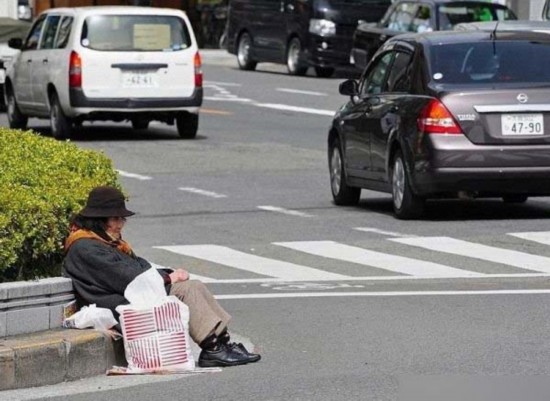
{"x":156,"y":338}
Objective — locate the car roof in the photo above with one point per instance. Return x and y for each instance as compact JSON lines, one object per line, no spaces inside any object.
{"x":447,"y":37}
{"x":115,"y":10}
{"x":509,"y":25}
{"x":435,"y":2}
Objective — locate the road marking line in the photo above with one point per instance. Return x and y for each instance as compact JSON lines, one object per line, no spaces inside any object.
{"x":216,"y":83}
{"x":133,"y":175}
{"x":284,"y":211}
{"x":454,"y":246}
{"x":395,"y":263}
{"x":301,"y":92}
{"x":295,"y":109}
{"x":542,"y":237}
{"x":383,"y":232}
{"x":214,"y":111}
{"x":202,"y":192}
{"x":253,"y":263}
{"x":227,"y":99}
{"x":379,"y":294}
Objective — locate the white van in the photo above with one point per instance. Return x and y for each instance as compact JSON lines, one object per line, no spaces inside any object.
{"x":135,"y":64}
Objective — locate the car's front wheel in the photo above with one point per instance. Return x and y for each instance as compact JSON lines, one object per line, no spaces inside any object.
{"x":406,"y":204}
{"x":15,"y":118}
{"x":60,"y":124}
{"x":188,"y":124}
{"x":342,"y":193}
{"x":293,"y":58}
{"x":243,"y":53}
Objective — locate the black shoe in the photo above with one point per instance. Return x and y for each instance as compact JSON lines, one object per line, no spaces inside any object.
{"x":241,"y":350}
{"x":222,"y":356}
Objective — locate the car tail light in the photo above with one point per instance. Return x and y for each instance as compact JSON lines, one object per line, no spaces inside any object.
{"x":436,"y":119}
{"x":198,"y":70}
{"x":75,"y":70}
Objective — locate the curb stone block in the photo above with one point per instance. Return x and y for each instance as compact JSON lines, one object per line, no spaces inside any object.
{"x":7,"y":368}
{"x":22,"y":321}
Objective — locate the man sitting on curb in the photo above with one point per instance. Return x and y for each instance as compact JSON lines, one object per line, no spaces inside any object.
{"x":101,"y":265}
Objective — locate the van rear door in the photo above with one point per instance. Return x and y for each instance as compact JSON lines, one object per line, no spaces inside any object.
{"x":137,"y":56}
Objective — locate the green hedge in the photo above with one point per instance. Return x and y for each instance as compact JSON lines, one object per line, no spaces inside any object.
{"x":42,"y":183}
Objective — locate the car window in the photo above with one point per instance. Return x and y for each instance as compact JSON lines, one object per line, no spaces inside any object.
{"x":399,"y":78}
{"x":485,"y":63}
{"x":50,"y":29}
{"x":402,"y":16}
{"x":375,"y":80}
{"x":34,"y":35}
{"x":422,"y":21}
{"x":64,"y":32}
{"x":135,"y":33}
{"x":452,"y":14}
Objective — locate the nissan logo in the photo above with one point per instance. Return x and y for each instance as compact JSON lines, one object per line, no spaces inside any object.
{"x":522,"y":98}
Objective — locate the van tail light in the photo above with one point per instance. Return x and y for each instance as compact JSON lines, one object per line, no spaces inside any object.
{"x":198,"y":70}
{"x":436,"y":119}
{"x":75,"y":70}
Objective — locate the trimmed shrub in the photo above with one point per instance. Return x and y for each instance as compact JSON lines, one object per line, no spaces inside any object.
{"x":43,"y":182}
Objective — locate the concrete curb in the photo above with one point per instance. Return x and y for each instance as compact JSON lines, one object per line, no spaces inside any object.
{"x":55,"y":356}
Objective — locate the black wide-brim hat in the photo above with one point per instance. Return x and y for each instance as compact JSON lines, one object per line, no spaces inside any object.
{"x":105,"y":202}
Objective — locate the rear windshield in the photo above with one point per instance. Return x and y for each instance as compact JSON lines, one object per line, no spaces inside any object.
{"x":135,"y":33}
{"x":491,"y":62}
{"x":452,"y":14}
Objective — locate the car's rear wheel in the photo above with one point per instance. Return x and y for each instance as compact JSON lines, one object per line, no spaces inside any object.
{"x":293,"y":58}
{"x":60,"y":124}
{"x":15,"y":118}
{"x":243,"y":53}
{"x":515,"y":198}
{"x":324,"y":72}
{"x":406,"y":204}
{"x":342,"y":193}
{"x":139,"y":124}
{"x":188,"y":124}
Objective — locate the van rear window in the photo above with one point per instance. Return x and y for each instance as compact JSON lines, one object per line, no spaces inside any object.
{"x":135,"y":33}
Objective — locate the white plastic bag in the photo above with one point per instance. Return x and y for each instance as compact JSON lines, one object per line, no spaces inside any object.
{"x":101,"y":319}
{"x":155,"y":327}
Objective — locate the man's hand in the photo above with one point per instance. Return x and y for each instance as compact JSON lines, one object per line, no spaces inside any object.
{"x":179,"y":275}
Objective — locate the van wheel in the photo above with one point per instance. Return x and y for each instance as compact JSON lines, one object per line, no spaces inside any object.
{"x":61,"y":125}
{"x":243,"y":53}
{"x":293,"y":58}
{"x":188,"y":124}
{"x":342,"y":193}
{"x":138,"y":124}
{"x":15,"y":118}
{"x":406,"y":204}
{"x":324,"y":72}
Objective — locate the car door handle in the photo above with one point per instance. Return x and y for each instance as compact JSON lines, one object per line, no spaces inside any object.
{"x":394,"y":109}
{"x":45,"y":61}
{"x":383,"y":37}
{"x":290,"y":7}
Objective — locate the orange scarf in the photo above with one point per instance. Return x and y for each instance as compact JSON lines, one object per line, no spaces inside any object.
{"x":77,"y":234}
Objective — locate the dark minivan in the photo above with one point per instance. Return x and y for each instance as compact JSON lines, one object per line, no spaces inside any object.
{"x":298,"y":33}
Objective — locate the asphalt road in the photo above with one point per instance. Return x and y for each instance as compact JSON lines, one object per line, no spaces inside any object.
{"x":342,"y":302}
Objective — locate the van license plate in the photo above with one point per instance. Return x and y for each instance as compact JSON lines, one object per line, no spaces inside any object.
{"x":522,"y":124}
{"x":138,"y":79}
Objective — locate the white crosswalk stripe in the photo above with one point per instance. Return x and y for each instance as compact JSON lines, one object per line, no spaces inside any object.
{"x":394,"y":263}
{"x":542,"y":237}
{"x":253,"y":263}
{"x":455,"y":246}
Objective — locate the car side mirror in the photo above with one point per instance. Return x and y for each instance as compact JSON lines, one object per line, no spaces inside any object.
{"x":349,"y":88}
{"x":15,"y":43}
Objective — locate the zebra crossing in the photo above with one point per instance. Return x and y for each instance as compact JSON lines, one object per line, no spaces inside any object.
{"x":262,"y":269}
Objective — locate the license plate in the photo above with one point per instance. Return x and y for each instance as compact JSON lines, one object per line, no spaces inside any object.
{"x":522,"y":124}
{"x":138,"y":79}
